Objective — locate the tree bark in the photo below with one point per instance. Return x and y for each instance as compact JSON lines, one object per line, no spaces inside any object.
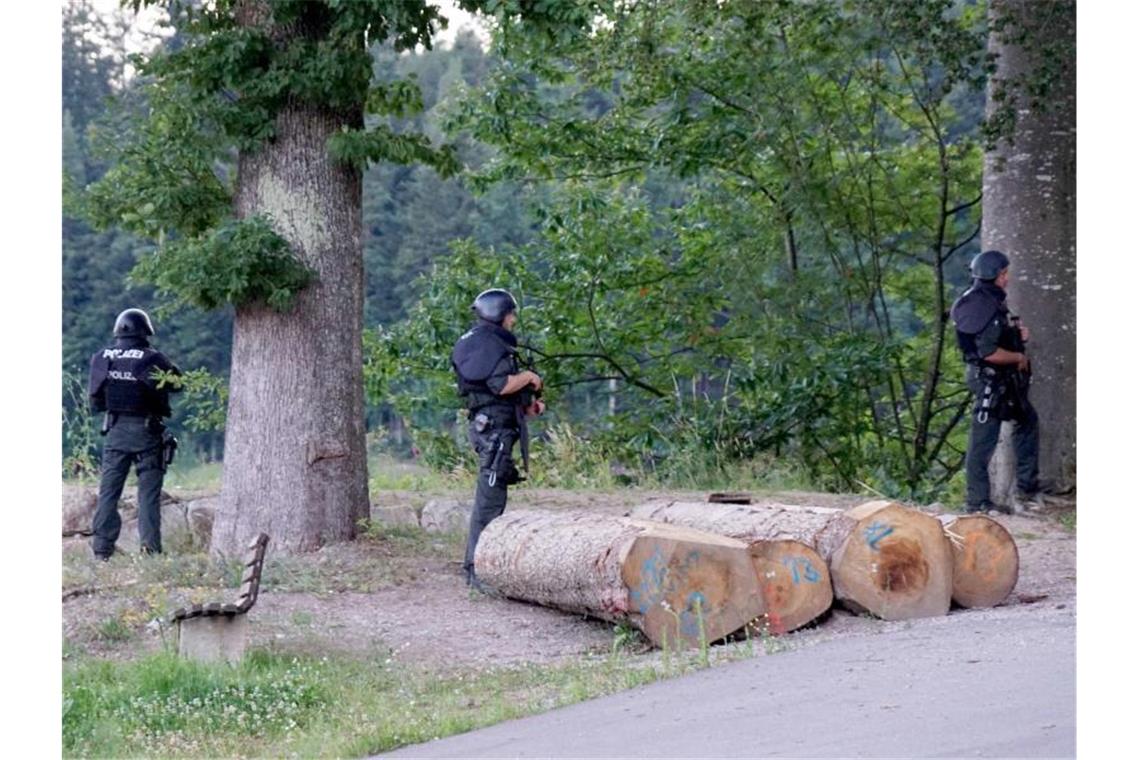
{"x":679,"y":586}
{"x":884,"y":559}
{"x":295,"y":451}
{"x":986,"y":561}
{"x":1029,"y":212}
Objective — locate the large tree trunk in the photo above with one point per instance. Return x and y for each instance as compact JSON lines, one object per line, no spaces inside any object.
{"x":884,"y":559}
{"x":1029,"y":212}
{"x":677,"y":585}
{"x":295,"y":453}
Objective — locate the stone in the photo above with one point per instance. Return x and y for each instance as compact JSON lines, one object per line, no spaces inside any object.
{"x":219,"y":638}
{"x":446,"y":516}
{"x":398,"y":515}
{"x":200,"y":514}
{"x":180,"y":535}
{"x":79,"y":504}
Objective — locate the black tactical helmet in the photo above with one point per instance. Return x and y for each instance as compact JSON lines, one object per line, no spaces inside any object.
{"x":494,"y":305}
{"x":133,"y":323}
{"x":988,"y":265}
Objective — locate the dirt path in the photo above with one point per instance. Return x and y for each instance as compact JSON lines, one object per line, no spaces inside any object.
{"x":408,"y":601}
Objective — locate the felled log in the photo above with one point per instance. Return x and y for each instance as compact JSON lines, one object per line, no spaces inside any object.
{"x":986,"y":561}
{"x":884,"y":558}
{"x":794,"y":581}
{"x":677,"y":585}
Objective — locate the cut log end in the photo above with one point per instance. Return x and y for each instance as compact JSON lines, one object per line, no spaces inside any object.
{"x":985,"y":560}
{"x":689,"y":588}
{"x":895,"y":563}
{"x":794,"y":582}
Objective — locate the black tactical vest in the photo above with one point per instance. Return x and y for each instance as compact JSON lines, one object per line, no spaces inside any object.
{"x":474,"y":358}
{"x":976,"y":309}
{"x":121,"y":380}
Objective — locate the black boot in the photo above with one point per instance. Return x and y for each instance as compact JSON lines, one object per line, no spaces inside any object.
{"x":477,"y":585}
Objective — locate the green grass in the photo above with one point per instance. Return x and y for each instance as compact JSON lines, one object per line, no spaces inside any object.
{"x":191,"y":475}
{"x":564,"y":461}
{"x":273,"y":705}
{"x":1068,"y":520}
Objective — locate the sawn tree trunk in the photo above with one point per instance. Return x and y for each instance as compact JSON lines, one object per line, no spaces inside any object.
{"x":986,"y":561}
{"x":884,"y":558}
{"x":677,"y":585}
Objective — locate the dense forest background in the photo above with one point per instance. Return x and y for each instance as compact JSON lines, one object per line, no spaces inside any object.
{"x":754,"y":275}
{"x":411,"y":215}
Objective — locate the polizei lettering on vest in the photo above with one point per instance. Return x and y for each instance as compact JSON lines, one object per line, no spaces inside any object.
{"x":115,"y":374}
{"x":123,"y":353}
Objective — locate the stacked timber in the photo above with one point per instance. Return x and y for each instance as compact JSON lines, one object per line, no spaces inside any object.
{"x":884,"y":558}
{"x":679,"y":585}
{"x":986,"y":561}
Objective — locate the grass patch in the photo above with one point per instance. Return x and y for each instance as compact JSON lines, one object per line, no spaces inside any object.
{"x":276,"y":705}
{"x":1068,"y":520}
{"x":192,"y":475}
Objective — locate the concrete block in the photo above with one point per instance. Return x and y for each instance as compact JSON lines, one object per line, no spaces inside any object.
{"x":213,"y":639}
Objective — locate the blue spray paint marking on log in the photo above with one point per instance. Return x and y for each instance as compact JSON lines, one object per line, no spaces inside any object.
{"x":659,"y":581}
{"x":876,"y":532}
{"x":648,"y":593}
{"x":691,"y":616}
{"x":796,"y":564}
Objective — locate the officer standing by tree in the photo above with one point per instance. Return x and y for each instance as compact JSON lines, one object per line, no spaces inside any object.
{"x":499,"y":397}
{"x":123,"y":385}
{"x":997,"y":372}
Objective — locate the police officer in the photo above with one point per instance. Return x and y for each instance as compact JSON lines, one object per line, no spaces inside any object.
{"x":123,"y":386}
{"x":997,"y":372}
{"x":498,"y":396}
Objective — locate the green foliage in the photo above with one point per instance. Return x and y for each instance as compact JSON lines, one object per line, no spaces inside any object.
{"x":203,"y":398}
{"x":360,"y":148}
{"x":1046,"y":33}
{"x":221,"y":89}
{"x":240,"y":262}
{"x":81,"y":447}
{"x":163,"y":156}
{"x":791,"y":295}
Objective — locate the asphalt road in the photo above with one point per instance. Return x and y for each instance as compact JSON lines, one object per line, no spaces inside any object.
{"x":976,"y":684}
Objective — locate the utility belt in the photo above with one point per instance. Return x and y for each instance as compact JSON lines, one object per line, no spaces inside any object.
{"x":496,"y":414}
{"x":154,"y":424}
{"x":1001,"y":396}
{"x":494,"y":434}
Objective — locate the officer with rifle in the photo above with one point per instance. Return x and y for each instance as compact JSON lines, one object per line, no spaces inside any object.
{"x":125,"y":386}
{"x":998,"y":374}
{"x":499,"y":396}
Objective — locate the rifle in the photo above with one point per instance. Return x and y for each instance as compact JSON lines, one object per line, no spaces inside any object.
{"x":526,"y":397}
{"x":1021,"y":378}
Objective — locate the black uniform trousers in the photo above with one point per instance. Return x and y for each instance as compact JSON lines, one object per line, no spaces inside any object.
{"x":130,"y":441}
{"x":496,"y":471}
{"x":983,"y":441}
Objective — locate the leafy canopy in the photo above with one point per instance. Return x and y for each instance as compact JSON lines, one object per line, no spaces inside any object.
{"x":788,"y":293}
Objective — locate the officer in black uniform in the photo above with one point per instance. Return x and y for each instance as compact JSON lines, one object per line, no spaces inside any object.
{"x":997,"y":372}
{"x":498,"y":396}
{"x":123,"y":386}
